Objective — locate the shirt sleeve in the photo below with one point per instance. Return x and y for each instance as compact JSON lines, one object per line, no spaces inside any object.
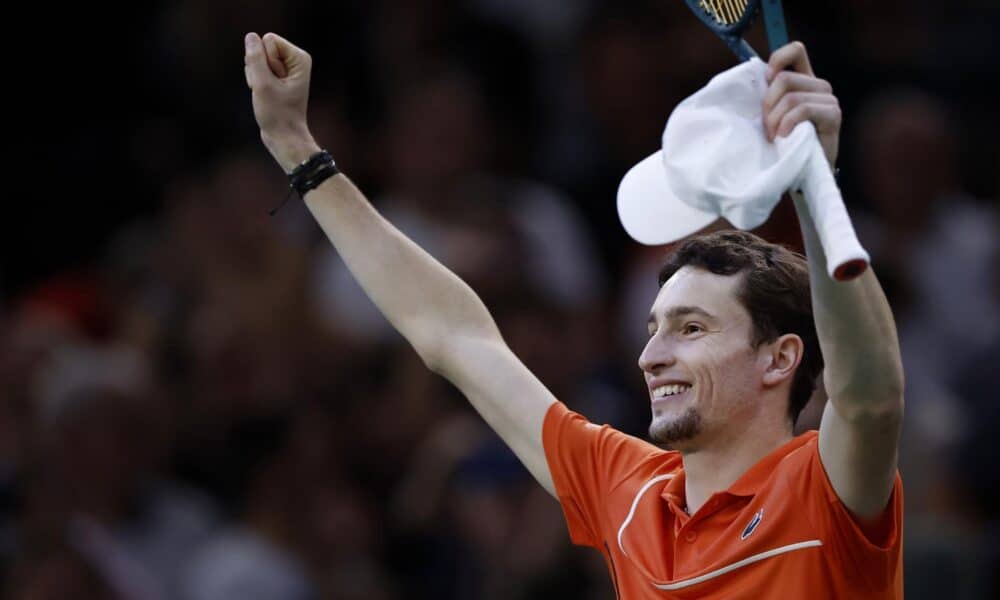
{"x":586,"y":462}
{"x":870,"y":554}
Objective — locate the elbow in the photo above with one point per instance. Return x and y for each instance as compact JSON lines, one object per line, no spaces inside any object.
{"x":431,"y":358}
{"x":434,"y":352}
{"x":877,"y":400}
{"x":447,"y":352}
{"x":439,"y":360}
{"x":894,"y":388}
{"x":883,"y":413}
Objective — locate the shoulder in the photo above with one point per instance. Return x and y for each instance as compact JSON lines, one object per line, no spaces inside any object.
{"x":806,"y":446}
{"x":569,"y":437}
{"x":801,"y":472}
{"x":801,"y":469}
{"x":609,"y":456}
{"x":598,"y":471}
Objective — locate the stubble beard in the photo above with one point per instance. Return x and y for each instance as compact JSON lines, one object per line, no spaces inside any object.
{"x":680,"y":429}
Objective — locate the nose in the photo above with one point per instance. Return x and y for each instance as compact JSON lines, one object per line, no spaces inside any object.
{"x":656,"y":356}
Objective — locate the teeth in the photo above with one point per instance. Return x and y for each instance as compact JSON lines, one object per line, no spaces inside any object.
{"x":670,"y":390}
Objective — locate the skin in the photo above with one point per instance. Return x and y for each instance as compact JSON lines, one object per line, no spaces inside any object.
{"x":709,"y":350}
{"x":863,"y":375}
{"x":741,"y":393}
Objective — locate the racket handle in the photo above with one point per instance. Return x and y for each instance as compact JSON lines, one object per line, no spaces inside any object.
{"x":845,"y":258}
{"x":743,"y":50}
{"x":774,"y":22}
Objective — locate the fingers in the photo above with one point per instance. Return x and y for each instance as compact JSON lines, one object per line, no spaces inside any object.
{"x":272,"y":54}
{"x":255,"y":63}
{"x":296,"y":61}
{"x":795,"y":95}
{"x":791,"y":101}
{"x":790,"y":55}
{"x":787,"y":82}
{"x":826,"y":118}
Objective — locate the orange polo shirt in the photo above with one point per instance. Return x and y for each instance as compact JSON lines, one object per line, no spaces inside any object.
{"x":779,"y":531}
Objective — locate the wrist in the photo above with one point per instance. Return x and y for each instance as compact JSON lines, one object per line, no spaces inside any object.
{"x":308,"y":175}
{"x":290,"y":151}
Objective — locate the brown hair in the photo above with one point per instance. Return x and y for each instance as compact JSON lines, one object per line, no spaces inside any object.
{"x":775,"y":291}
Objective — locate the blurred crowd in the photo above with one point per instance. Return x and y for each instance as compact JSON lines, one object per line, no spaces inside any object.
{"x":197,"y":402}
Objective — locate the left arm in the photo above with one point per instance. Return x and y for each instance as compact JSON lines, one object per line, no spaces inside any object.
{"x":863,"y":373}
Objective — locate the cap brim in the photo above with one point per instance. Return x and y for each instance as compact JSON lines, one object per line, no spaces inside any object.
{"x":650,"y":213}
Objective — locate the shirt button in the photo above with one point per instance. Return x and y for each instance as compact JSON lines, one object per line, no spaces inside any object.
{"x":690,"y":536}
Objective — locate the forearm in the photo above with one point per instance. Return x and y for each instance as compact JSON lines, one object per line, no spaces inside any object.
{"x":428,"y":304}
{"x":863,"y":371}
{"x":437,"y":312}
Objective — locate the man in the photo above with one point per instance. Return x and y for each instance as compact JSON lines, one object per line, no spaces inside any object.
{"x":739,"y":508}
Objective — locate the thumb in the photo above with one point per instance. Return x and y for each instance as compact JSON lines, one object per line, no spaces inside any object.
{"x":255,"y":62}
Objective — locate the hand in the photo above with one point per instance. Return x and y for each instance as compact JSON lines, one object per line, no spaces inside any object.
{"x":797,"y":95}
{"x":278,"y":74}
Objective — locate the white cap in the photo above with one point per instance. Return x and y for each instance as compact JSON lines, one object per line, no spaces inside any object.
{"x":716,"y":161}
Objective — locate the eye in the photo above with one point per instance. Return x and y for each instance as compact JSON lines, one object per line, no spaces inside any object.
{"x":691,"y":328}
{"x":651,"y":330}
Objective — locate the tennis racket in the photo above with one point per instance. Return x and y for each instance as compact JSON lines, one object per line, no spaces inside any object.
{"x":729,"y":19}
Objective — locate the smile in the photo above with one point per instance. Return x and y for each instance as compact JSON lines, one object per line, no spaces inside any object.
{"x":670,"y":390}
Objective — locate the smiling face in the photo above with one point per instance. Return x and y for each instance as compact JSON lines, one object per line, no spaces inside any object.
{"x":703,"y":374}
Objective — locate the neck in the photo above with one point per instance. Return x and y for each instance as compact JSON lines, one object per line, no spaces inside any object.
{"x":714,"y":467}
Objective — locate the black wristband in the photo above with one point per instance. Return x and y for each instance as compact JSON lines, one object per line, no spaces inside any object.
{"x":308,"y":176}
{"x":311,"y":173}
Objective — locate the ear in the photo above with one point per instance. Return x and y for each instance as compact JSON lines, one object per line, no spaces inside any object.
{"x":781,"y":357}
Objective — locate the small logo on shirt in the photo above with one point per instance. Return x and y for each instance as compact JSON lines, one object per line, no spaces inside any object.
{"x":752,"y":525}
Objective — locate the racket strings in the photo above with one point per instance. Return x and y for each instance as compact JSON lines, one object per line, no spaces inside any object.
{"x":725,"y":12}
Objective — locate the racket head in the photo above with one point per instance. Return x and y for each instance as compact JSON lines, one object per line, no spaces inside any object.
{"x":726,"y":17}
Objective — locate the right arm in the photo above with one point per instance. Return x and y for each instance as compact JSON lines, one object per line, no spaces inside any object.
{"x":438,"y":314}
{"x":442,"y":318}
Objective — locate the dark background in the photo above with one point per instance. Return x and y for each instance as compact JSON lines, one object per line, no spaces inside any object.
{"x":194,"y":389}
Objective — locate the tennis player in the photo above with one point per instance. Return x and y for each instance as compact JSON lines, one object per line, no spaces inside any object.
{"x":738,"y":333}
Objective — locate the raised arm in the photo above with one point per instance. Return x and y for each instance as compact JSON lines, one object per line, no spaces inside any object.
{"x":438,"y":314}
{"x":863,"y":374}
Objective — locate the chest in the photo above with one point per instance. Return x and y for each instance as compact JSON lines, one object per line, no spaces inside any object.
{"x":732,"y":543}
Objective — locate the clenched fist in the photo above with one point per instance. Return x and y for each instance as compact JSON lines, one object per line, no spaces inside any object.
{"x":795,"y":95}
{"x":278,"y":74}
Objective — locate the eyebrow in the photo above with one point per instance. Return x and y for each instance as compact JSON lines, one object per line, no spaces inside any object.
{"x":680,"y":311}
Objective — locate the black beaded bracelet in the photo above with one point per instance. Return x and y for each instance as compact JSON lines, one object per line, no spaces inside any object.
{"x":309,"y":175}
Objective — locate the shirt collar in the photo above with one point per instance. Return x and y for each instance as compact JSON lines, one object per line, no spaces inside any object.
{"x":673,"y":491}
{"x":750,"y":482}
